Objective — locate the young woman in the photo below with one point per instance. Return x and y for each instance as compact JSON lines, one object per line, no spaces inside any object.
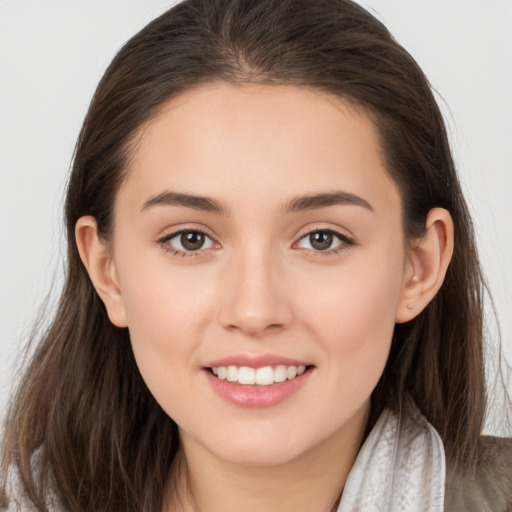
{"x":273,"y":298}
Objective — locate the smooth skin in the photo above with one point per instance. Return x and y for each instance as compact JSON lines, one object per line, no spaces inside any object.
{"x":259,"y":283}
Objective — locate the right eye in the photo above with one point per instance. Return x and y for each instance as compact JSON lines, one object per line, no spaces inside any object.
{"x":185,"y":242}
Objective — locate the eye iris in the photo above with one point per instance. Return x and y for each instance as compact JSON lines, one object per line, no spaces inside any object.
{"x":321,"y":240}
{"x":192,"y":240}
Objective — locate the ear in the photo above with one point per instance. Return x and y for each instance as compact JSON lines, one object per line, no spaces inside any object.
{"x":101,"y":268}
{"x":426,"y":265}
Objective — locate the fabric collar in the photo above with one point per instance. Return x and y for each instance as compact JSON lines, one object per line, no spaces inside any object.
{"x":397,"y":469}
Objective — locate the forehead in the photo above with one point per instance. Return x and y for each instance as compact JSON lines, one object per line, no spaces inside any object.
{"x":259,"y":142}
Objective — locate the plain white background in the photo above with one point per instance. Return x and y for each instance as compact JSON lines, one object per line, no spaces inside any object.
{"x":53,"y":53}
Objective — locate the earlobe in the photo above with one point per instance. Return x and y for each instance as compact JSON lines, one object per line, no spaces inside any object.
{"x":101,"y":268}
{"x":427,"y":263}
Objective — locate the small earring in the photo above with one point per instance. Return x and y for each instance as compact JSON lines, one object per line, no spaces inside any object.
{"x":409,"y":306}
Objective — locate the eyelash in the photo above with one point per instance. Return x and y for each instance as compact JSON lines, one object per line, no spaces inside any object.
{"x":163,"y":242}
{"x":345,"y":242}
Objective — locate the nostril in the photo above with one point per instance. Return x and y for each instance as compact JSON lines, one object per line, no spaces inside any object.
{"x":254,"y":327}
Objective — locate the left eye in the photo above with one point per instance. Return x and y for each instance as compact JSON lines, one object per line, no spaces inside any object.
{"x":188,"y":241}
{"x":322,"y":240}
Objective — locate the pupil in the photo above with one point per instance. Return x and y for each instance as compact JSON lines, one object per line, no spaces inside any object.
{"x":320,"y":240}
{"x":192,"y":240}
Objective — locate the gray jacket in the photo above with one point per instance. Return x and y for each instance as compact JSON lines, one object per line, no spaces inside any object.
{"x":489,"y":488}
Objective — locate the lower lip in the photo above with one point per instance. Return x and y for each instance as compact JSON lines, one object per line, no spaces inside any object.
{"x":257,"y":396}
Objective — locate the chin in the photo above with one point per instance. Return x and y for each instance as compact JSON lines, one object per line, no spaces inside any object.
{"x":259,"y":456}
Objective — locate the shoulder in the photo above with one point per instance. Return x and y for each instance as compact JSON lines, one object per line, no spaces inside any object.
{"x":14,"y":496}
{"x":489,"y":487}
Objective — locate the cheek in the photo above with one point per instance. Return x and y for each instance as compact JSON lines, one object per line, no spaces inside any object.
{"x":163,"y":301}
{"x":353,"y":316}
{"x":166,"y":313}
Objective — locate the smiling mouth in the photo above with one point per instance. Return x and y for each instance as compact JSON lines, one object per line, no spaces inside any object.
{"x":264,"y":376}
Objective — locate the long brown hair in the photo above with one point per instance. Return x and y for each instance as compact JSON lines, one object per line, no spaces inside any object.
{"x":103,"y":442}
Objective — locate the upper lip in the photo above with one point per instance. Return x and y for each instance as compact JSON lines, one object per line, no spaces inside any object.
{"x":256,"y":361}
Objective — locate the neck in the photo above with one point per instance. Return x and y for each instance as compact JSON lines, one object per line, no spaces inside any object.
{"x":313,"y":481}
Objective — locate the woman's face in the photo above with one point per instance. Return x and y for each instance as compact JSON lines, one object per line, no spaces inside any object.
{"x":258,"y":235}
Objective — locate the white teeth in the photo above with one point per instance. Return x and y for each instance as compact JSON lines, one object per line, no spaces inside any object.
{"x":232,"y":374}
{"x":247,"y":375}
{"x":280,"y":373}
{"x":264,"y":376}
{"x":291,"y":372}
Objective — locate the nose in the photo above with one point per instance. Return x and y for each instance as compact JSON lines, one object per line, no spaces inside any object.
{"x":254,"y":299}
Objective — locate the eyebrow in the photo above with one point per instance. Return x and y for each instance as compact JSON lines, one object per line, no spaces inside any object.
{"x":297,"y":204}
{"x":201,"y":203}
{"x":322,"y":200}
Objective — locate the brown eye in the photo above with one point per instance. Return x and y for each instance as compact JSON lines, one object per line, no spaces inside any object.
{"x":324,"y":240}
{"x":187,"y":241}
{"x":192,"y":240}
{"x":321,"y":240}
